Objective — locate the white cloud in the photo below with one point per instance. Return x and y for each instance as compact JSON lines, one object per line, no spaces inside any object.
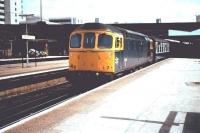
{"x":120,"y":11}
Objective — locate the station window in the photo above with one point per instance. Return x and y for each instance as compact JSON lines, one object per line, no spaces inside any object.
{"x":105,"y":41}
{"x":75,"y":41}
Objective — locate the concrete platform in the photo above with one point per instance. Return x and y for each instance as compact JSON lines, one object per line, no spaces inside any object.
{"x":16,"y":70}
{"x":161,"y":98}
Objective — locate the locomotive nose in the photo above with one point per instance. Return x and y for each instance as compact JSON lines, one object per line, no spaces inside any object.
{"x":92,"y":61}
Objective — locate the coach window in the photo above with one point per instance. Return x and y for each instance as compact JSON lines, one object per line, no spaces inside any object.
{"x":157,"y":48}
{"x":75,"y":41}
{"x":89,"y":40}
{"x":105,"y":41}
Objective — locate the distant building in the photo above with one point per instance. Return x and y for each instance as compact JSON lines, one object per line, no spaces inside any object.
{"x":31,"y":20}
{"x":158,"y":20}
{"x":10,"y":10}
{"x":96,"y":20}
{"x":67,"y":20}
{"x":2,"y":12}
{"x":197,"y":18}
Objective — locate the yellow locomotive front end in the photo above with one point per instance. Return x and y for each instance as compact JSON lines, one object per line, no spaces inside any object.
{"x":92,"y":52}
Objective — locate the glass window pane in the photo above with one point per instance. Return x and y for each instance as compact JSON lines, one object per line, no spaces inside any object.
{"x":105,"y":41}
{"x":75,"y":41}
{"x":89,"y":40}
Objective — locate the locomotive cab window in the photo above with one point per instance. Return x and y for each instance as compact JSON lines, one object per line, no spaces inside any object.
{"x":75,"y":41}
{"x":105,"y":41}
{"x":89,"y":40}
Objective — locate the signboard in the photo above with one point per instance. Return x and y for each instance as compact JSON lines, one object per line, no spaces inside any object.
{"x":28,"y":37}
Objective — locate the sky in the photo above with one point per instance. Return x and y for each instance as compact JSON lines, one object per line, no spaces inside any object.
{"x":121,"y":11}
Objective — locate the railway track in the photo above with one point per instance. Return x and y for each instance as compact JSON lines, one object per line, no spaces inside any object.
{"x":26,"y":79}
{"x":23,"y":106}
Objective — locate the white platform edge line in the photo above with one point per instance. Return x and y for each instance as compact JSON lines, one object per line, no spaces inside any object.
{"x":75,"y":98}
{"x":32,"y":73}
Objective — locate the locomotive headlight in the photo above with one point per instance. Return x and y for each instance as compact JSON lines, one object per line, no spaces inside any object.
{"x":73,"y":66}
{"x":97,"y":74}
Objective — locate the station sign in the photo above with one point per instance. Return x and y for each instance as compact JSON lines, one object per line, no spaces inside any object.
{"x":28,"y":37}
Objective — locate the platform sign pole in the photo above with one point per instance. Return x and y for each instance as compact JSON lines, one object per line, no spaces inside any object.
{"x":26,"y":15}
{"x":27,"y":37}
{"x":27,"y":58}
{"x":35,"y":59}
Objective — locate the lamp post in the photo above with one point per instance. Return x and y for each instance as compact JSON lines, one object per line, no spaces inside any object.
{"x":26,"y":15}
{"x":41,"y":10}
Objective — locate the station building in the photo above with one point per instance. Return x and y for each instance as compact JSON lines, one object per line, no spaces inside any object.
{"x":66,"y":20}
{"x":10,"y":10}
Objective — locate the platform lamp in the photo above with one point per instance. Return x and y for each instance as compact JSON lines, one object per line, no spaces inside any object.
{"x":26,"y":15}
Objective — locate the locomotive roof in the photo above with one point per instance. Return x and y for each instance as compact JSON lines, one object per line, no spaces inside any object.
{"x":92,"y":26}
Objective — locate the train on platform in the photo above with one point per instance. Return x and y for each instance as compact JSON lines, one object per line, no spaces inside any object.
{"x":97,"y":49}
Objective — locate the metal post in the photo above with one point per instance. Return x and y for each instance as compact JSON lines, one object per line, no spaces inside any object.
{"x":26,"y":15}
{"x":26,"y":27}
{"x":11,"y":47}
{"x":35,"y":59}
{"x":27,"y":58}
{"x":22,"y":62}
{"x":41,"y":10}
